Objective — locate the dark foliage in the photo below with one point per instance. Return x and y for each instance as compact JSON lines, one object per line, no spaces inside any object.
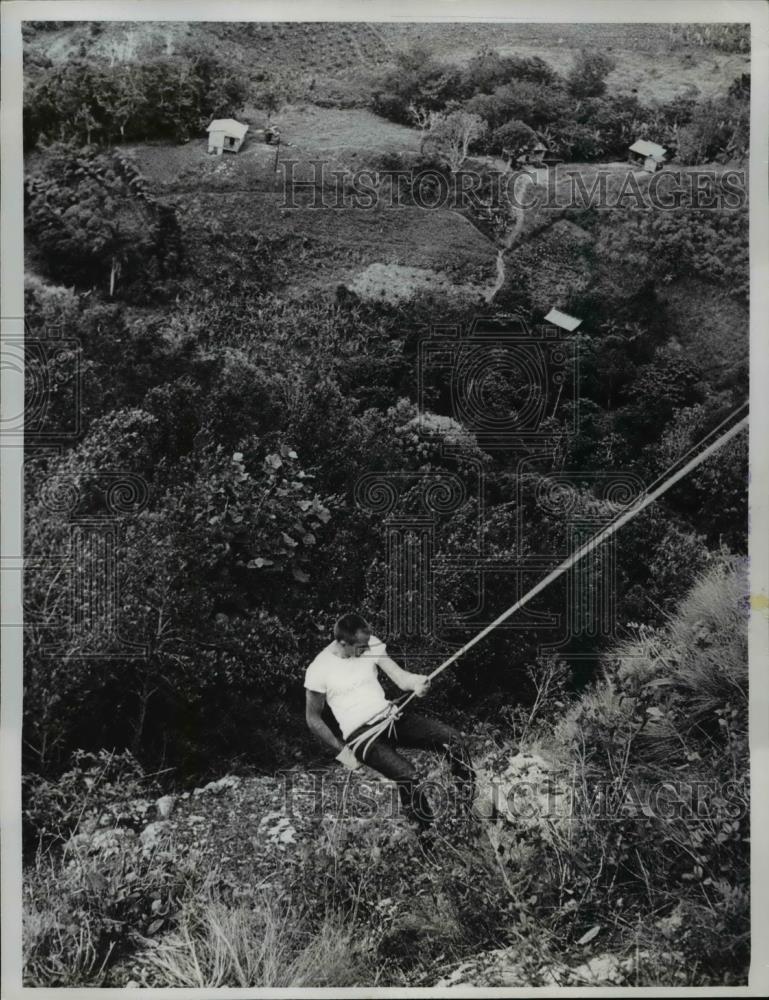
{"x":93,"y":222}
{"x":87,"y":101}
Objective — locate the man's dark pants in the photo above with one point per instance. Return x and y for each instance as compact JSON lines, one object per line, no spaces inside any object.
{"x":423,"y":733}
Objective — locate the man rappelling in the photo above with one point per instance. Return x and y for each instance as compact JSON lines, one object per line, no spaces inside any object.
{"x":344,"y":675}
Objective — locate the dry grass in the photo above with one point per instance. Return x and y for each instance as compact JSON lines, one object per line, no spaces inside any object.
{"x":670,"y":710}
{"x":81,"y":909}
{"x":98,"y":919}
{"x":265,"y":943}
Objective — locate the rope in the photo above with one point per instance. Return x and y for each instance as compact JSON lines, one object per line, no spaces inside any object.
{"x":695,"y":447}
{"x":648,"y":498}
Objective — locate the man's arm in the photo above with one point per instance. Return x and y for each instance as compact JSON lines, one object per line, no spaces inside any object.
{"x":314,"y":705}
{"x":406,"y":681}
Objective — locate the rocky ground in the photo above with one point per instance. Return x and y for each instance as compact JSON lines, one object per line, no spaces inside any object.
{"x":259,"y":837}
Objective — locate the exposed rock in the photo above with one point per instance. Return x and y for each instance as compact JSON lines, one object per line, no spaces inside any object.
{"x":100,"y":840}
{"x":671,"y":925}
{"x":153,"y":833}
{"x":500,"y":967}
{"x":497,"y":967}
{"x":104,"y":840}
{"x":526,"y":793}
{"x":165,"y":806}
{"x":603,"y":970}
{"x":229,"y":781}
{"x":276,"y":828}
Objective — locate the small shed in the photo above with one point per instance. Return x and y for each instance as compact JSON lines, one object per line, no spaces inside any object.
{"x":648,"y":154}
{"x":225,"y":134}
{"x":533,"y":156}
{"x":563,"y":320}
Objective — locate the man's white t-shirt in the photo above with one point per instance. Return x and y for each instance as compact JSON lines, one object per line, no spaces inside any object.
{"x":350,"y":684}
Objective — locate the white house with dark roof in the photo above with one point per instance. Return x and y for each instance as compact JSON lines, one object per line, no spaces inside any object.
{"x":649,"y":154}
{"x":225,"y":134}
{"x":563,"y":320}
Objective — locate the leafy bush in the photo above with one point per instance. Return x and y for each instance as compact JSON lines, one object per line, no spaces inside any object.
{"x":587,"y":77}
{"x":98,"y":790}
{"x":488,"y":70}
{"x":718,"y":129}
{"x":93,"y":222}
{"x":536,"y":104}
{"x":668,"y":718}
{"x":515,"y":136}
{"x":86,"y":910}
{"x":85,"y":101}
{"x":417,"y":79}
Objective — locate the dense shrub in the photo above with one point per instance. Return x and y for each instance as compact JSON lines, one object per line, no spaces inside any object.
{"x":718,"y":129}
{"x":587,"y":77}
{"x":488,"y":70}
{"x":93,"y":222}
{"x":536,"y":104}
{"x":579,"y":120}
{"x":674,"y":702}
{"x":418,"y":78}
{"x":98,"y":790}
{"x":87,"y":101}
{"x":515,"y":136}
{"x":726,"y":37}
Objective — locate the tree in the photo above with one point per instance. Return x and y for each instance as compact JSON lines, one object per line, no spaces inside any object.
{"x":516,"y":137}
{"x":421,"y":117}
{"x":668,"y":383}
{"x":719,"y":129}
{"x":587,"y":77}
{"x":418,"y":79}
{"x":488,"y":70}
{"x":94,"y":223}
{"x":270,"y":99}
{"x":536,"y":104}
{"x":453,"y":134}
{"x":95,"y":101}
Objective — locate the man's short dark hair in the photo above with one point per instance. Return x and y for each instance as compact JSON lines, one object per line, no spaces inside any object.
{"x":348,"y":626}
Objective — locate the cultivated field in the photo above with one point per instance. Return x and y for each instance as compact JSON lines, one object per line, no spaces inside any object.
{"x":651,"y":60}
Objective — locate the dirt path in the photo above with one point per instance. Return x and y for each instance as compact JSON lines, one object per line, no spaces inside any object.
{"x":507,"y":241}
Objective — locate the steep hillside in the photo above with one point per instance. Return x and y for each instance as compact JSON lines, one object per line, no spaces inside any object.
{"x":652,"y":60}
{"x":582,"y":864}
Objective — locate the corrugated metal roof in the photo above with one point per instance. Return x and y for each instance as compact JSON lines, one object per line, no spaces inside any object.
{"x":229,"y":126}
{"x":646,"y":148}
{"x":562,"y":319}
